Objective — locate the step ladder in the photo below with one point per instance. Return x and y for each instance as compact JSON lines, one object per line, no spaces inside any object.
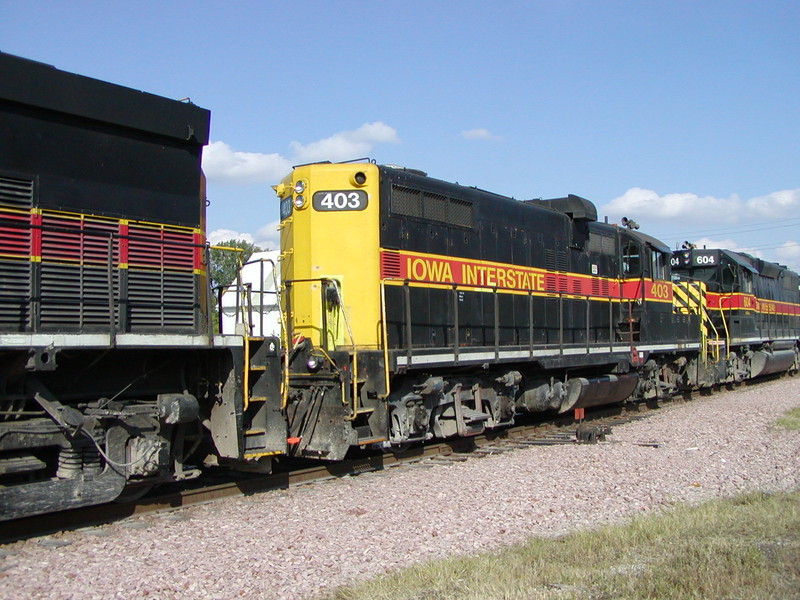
{"x":264,"y":427}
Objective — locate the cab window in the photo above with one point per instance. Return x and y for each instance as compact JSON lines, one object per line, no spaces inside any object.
{"x":658,"y":265}
{"x":631,"y":259}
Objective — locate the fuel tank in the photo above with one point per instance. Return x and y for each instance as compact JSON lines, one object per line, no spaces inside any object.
{"x":606,"y":389}
{"x":765,"y":363}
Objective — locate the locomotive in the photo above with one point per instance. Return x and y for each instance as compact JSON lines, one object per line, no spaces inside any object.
{"x":410,"y":308}
{"x":110,"y":376}
{"x":421,"y":309}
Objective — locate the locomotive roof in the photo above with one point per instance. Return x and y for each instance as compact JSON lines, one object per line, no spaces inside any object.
{"x":32,"y":83}
{"x":574,"y":207}
{"x":649,"y":239}
{"x":741,"y":260}
{"x":578,"y":209}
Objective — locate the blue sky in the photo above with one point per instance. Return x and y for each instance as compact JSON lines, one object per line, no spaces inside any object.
{"x":682,"y":115}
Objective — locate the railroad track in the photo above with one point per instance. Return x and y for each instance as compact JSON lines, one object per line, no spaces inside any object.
{"x":563,"y":429}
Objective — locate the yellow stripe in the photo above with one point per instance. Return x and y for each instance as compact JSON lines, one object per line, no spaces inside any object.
{"x":489,"y":290}
{"x":145,"y":224}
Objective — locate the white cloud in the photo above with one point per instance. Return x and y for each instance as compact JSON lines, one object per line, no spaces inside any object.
{"x":478,"y":134}
{"x":675,"y":217}
{"x":727,"y":244}
{"x":222,"y":164}
{"x":637,"y":202}
{"x":266,"y":237}
{"x":785,"y":203}
{"x":345,"y":145}
{"x":223,"y":235}
{"x":690,"y":209}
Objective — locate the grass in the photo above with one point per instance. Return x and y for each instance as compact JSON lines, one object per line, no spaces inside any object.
{"x":742,"y":548}
{"x":790,"y":420}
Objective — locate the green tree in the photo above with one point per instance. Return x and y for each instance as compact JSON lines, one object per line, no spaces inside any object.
{"x":225,"y":263}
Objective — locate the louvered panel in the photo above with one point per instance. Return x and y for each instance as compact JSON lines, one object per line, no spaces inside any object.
{"x":60,"y":305}
{"x":144,"y":246}
{"x":161,"y":248}
{"x":15,"y":234}
{"x":161,"y":299}
{"x":15,"y":295}
{"x":78,"y":240}
{"x":390,"y":264}
{"x":76,"y":298}
{"x":16,"y":192}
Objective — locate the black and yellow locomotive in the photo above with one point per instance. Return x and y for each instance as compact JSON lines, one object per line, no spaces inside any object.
{"x":750,"y":309}
{"x":419,"y":309}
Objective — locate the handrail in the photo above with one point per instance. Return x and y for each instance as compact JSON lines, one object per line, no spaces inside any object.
{"x":456,"y":287}
{"x":725,"y":324}
{"x":244,"y":308}
{"x":112,"y":329}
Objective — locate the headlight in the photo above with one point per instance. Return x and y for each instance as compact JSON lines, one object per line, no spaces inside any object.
{"x":299,"y":187}
{"x":359,"y":178}
{"x":299,"y":202}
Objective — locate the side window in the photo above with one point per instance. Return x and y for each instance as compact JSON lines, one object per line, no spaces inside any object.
{"x":747,"y":282}
{"x":658,"y":268}
{"x":728,"y":278}
{"x":631,"y":259}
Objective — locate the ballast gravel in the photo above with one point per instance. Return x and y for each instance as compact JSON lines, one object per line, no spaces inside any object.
{"x":297,"y":543}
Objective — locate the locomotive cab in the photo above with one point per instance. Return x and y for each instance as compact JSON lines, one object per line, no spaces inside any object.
{"x":645,"y":276}
{"x":728,"y":278}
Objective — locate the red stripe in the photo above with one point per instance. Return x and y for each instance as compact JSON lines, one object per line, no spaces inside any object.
{"x":198,"y":241}
{"x":36,"y":235}
{"x":445,"y":270}
{"x":123,"y":243}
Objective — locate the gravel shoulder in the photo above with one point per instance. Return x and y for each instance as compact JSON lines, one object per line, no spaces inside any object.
{"x":296,"y":543}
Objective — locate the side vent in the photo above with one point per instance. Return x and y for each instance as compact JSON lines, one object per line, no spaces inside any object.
{"x":411,"y":202}
{"x":390,"y":265}
{"x":16,"y":200}
{"x":16,"y":192}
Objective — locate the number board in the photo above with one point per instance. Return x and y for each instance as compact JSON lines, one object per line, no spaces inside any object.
{"x":708,"y":258}
{"x":286,"y":207}
{"x":339,"y":200}
{"x":681,"y":259}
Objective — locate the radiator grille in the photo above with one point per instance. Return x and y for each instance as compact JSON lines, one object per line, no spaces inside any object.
{"x":76,"y":297}
{"x":161,"y":300}
{"x":15,"y":294}
{"x":78,"y":240}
